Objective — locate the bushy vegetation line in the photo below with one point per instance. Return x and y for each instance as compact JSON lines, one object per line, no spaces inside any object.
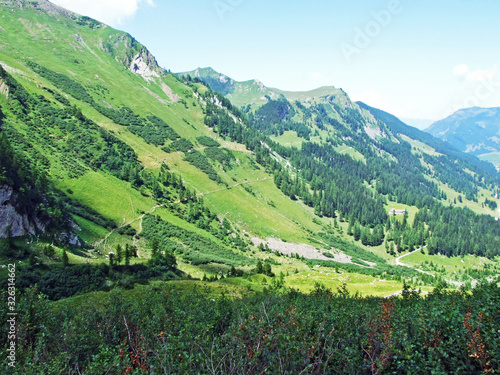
{"x":207,"y":141}
{"x":194,"y":157}
{"x":152,"y":129}
{"x":201,"y":162}
{"x":163,"y":331}
{"x":57,"y":278}
{"x":191,"y":246}
{"x":182,"y":144}
{"x":63,"y":82}
{"x":224,"y":156}
{"x":78,"y":142}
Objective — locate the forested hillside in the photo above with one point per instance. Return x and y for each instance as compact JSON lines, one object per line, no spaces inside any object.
{"x":227,"y":216}
{"x":385,"y":168}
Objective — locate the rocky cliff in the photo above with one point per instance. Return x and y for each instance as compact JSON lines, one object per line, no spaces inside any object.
{"x":12,"y":222}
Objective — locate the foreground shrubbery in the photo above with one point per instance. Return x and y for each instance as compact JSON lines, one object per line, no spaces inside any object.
{"x":160,"y":330}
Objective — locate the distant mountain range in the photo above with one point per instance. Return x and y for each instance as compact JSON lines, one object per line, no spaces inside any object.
{"x":473,"y":130}
{"x":255,"y":93}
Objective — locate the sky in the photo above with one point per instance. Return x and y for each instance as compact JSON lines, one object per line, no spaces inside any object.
{"x":417,"y":59}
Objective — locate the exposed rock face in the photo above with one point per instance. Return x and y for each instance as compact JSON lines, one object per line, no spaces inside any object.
{"x":16,"y":224}
{"x":145,"y":65}
{"x":127,"y":51}
{"x":12,"y":223}
{"x":70,"y":239}
{"x":4,"y":89}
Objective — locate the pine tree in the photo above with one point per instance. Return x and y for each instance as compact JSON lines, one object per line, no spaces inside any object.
{"x":357,"y":232}
{"x":31,"y":259}
{"x":127,"y":255}
{"x":259,"y":268}
{"x":267,"y":270}
{"x":155,"y":247}
{"x":65,"y":259}
{"x":119,"y":254}
{"x":391,"y":249}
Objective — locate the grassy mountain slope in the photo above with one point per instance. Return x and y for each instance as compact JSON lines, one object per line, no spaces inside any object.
{"x":122,"y":140}
{"x":106,"y":88}
{"x":388,"y":163}
{"x":240,"y":93}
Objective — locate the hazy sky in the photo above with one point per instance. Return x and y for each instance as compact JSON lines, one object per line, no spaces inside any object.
{"x":414,"y":58}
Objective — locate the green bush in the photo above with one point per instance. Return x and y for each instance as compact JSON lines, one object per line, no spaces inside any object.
{"x":181,"y":145}
{"x":199,"y":160}
{"x":193,"y":247}
{"x":207,"y":141}
{"x":222,"y":155}
{"x":324,"y":332}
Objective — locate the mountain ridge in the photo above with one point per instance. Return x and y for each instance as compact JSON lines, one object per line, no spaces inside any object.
{"x":319,"y":94}
{"x":473,"y":130}
{"x":253,"y":91}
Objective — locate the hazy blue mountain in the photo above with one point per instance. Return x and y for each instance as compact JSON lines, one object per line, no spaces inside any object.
{"x":473,"y":130}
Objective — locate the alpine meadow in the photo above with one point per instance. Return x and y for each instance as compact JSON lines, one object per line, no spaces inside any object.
{"x":188,"y":223}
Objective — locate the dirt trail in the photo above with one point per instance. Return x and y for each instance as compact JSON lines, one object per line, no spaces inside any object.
{"x":198,"y":194}
{"x":232,"y":186}
{"x":399,"y":263}
{"x":134,"y":239}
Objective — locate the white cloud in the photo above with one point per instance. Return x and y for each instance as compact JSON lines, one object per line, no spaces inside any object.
{"x":112,"y":12}
{"x":463,"y":72}
{"x":482,"y":75}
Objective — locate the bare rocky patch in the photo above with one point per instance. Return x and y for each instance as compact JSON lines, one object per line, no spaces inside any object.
{"x":168,"y":91}
{"x":307,"y":251}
